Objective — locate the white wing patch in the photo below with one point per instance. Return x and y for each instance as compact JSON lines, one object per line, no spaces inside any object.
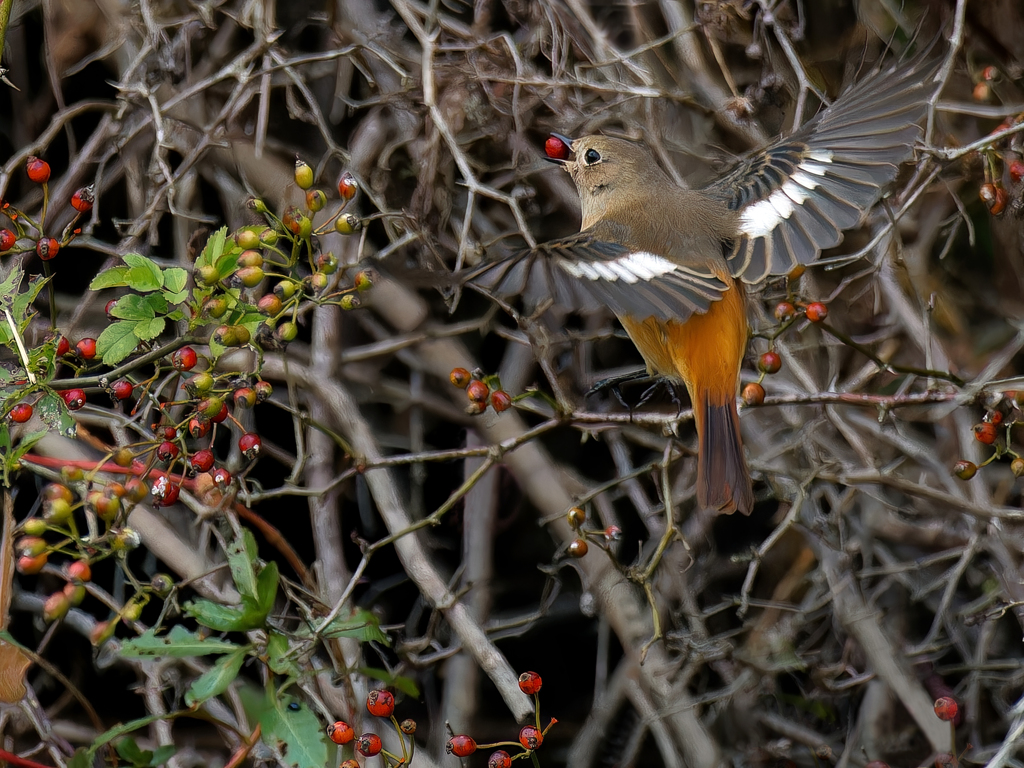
{"x":639,"y":265}
{"x":761,"y":218}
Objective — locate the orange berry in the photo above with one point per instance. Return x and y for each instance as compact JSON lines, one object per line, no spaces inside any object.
{"x":501,"y":400}
{"x":946,"y":708}
{"x":530,"y":737}
{"x":753,"y":394}
{"x":37,"y":170}
{"x":460,"y":377}
{"x":965,"y":470}
{"x":460,"y":746}
{"x":578,"y":548}
{"x":985,"y":432}
{"x":380,"y":703}
{"x":530,"y":683}
{"x":477,"y":391}
{"x":340,"y":732}
{"x":816,"y":312}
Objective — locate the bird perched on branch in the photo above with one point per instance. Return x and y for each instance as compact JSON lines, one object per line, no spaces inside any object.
{"x":671,"y":263}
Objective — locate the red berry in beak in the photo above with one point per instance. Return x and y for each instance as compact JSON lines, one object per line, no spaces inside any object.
{"x":557,"y":148}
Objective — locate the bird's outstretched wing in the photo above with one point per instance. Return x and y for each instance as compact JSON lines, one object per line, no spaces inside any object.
{"x":594,"y":269}
{"x":797,"y":196}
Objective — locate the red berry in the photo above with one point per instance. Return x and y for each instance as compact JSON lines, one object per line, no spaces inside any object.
{"x":499,"y":759}
{"x":347,"y":186}
{"x":982,"y":92}
{"x":37,"y":170}
{"x":21,"y":413}
{"x":816,"y":312}
{"x":530,"y":737}
{"x":989,"y":73}
{"x":201,"y":460}
{"x":122,"y":389}
{"x":56,"y":607}
{"x":244,"y":397}
{"x":86,"y":349}
{"x":79,"y":570}
{"x":63,"y":346}
{"x":264,"y":389}
{"x":73,"y":398}
{"x":169,"y":433}
{"x":350,"y":763}
{"x":965,"y":470}
{"x":529,"y":683}
{"x":1016,"y":173}
{"x":31,"y":564}
{"x":369,"y":744}
{"x":994,"y":197}
{"x":250,"y":445}
{"x":47,"y":248}
{"x":769,"y":362}
{"x":946,"y":708}
{"x":222,"y":477}
{"x":83,"y":199}
{"x":985,"y":432}
{"x":166,"y":451}
{"x":612,"y":533}
{"x":221,"y":414}
{"x":340,"y":732}
{"x":753,"y":394}
{"x":460,"y":746}
{"x":556,"y":148}
{"x":199,"y":426}
{"x":501,"y":400}
{"x":7,"y":239}
{"x":380,"y":703}
{"x":460,"y":377}
{"x":184,"y":359}
{"x":784,"y":310}
{"x":578,"y":548}
{"x":55,"y":491}
{"x":477,"y":391}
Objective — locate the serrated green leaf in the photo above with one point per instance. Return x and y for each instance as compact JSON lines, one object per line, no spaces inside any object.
{"x":54,"y":412}
{"x":9,"y":284}
{"x":115,"y":277}
{"x":148,"y":330}
{"x":242,"y":554}
{"x":143,"y":274}
{"x":116,"y":342}
{"x":216,"y":679}
{"x":133,"y":307}
{"x":176,"y":297}
{"x":214,"y":248}
{"x":361,"y":625}
{"x":399,"y":682}
{"x":222,"y":618}
{"x":179,"y":643}
{"x":278,"y":657}
{"x":296,"y":734}
{"x":26,"y":443}
{"x":175,"y":280}
{"x":21,"y":306}
{"x":176,"y":315}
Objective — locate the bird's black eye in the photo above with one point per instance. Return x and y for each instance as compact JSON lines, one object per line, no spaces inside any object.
{"x":591,"y":156}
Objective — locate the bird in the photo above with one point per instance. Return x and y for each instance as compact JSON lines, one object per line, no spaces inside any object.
{"x":672,"y":263}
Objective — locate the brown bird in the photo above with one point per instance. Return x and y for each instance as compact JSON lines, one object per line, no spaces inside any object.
{"x":671,"y":262}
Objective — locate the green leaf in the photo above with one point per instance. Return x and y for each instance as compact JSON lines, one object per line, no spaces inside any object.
{"x":361,"y":625}
{"x":21,"y":307}
{"x":224,"y":618}
{"x":143,"y":274}
{"x":9,"y":284}
{"x":216,"y":679}
{"x":115,"y":277}
{"x":403,"y":684}
{"x":214,"y":248}
{"x":26,"y":443}
{"x":278,"y":655}
{"x":179,"y":643}
{"x":117,"y":341}
{"x":133,"y":307}
{"x":54,"y":412}
{"x":241,"y":556}
{"x":295,"y":733}
{"x":175,"y":280}
{"x":176,"y":297}
{"x":266,"y":588}
{"x":129,"y":750}
{"x":162,"y":754}
{"x":150,"y":329}
{"x":81,"y":759}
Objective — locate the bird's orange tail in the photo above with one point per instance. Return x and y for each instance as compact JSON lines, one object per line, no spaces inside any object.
{"x":723,"y":482}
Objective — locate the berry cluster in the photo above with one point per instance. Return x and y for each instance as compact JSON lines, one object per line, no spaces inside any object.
{"x":531,"y":737}
{"x":787,"y":313}
{"x":995,"y":430}
{"x":60,"y":532}
{"x":379,"y":703}
{"x":25,"y":234}
{"x":993,"y":192}
{"x":481,"y":390}
{"x":578,"y":547}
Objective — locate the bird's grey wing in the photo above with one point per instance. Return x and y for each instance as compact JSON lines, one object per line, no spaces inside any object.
{"x":796,"y":197}
{"x":593,"y":270}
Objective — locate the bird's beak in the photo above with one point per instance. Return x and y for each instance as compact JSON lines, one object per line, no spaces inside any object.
{"x":558,"y":149}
